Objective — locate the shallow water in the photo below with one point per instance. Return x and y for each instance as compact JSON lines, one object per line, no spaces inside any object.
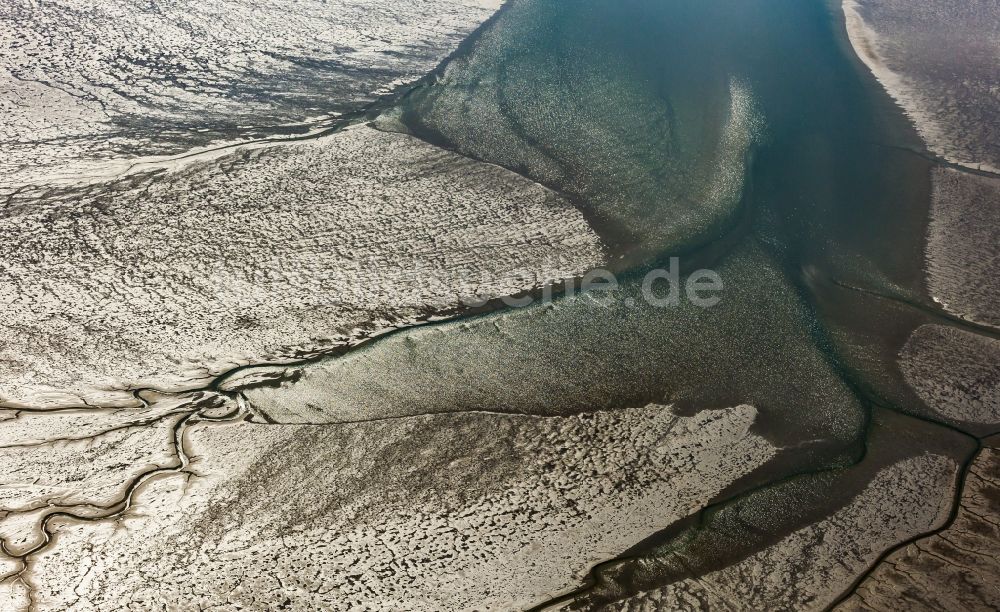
{"x":741,"y":135}
{"x":693,"y":128}
{"x":649,"y":112}
{"x":680,"y":127}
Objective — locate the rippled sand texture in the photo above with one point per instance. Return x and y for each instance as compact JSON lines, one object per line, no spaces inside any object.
{"x":83,"y":81}
{"x":954,"y":570}
{"x":956,"y":373}
{"x":657,"y":171}
{"x":435,"y":512}
{"x":166,"y":279}
{"x":596,"y":451}
{"x":595,"y":352}
{"x":963,"y":245}
{"x":799,"y":544}
{"x":806,"y":569}
{"x":938,"y":59}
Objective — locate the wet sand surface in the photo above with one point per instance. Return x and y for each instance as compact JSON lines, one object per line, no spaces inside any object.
{"x":230,"y":381}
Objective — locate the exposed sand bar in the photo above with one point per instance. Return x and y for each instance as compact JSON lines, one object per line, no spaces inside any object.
{"x":938,"y":61}
{"x":433,"y":512}
{"x":84,"y":84}
{"x":168,"y":279}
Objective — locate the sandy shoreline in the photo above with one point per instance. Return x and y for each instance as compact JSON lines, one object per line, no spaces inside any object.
{"x":907,"y":94}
